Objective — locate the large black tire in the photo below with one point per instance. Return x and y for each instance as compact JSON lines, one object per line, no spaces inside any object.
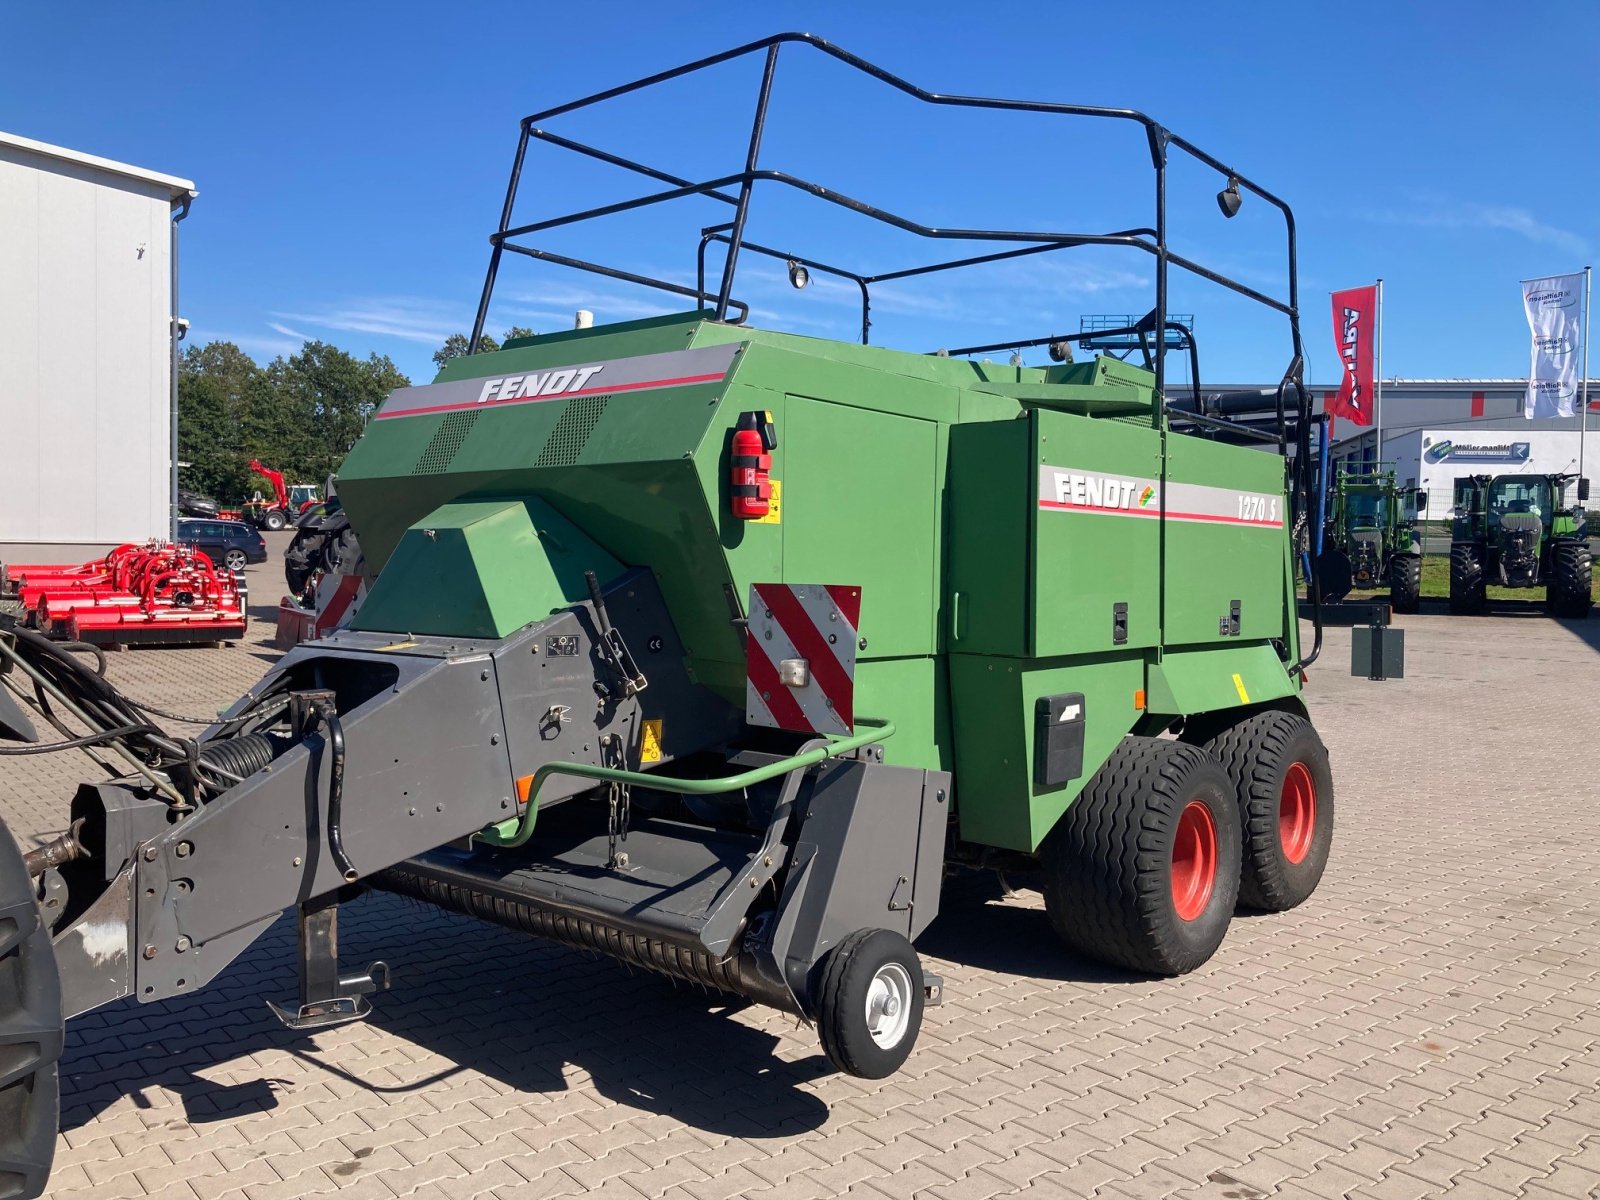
{"x":302,"y":558}
{"x":275,"y":519}
{"x":31,"y":1033}
{"x":1279,"y":769}
{"x":869,"y":1004}
{"x":1123,"y":882}
{"x":1570,"y":592}
{"x":1405,"y":582}
{"x":1466,"y":580}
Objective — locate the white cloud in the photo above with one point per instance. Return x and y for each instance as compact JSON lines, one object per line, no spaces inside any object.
{"x":404,"y":317}
{"x":1437,"y":212}
{"x":287,"y":332}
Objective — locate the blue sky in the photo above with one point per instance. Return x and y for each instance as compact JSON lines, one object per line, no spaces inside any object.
{"x":351,"y":159}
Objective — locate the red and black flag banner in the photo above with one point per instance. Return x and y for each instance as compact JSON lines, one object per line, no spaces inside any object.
{"x":1355,"y":322}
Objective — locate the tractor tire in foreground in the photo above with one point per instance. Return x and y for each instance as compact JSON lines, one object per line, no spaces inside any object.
{"x":1142,"y":871}
{"x":31,"y":1032}
{"x":869,"y":1004}
{"x":1405,"y":582}
{"x":1570,"y":591}
{"x":1279,"y":769}
{"x":1466,"y":581}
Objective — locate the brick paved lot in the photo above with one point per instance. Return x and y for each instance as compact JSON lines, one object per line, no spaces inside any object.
{"x":1425,"y":1024}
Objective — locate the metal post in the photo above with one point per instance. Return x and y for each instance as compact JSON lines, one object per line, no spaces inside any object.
{"x":181,"y":210}
{"x":494,"y":254}
{"x":1583,"y":392}
{"x":736,"y":235}
{"x":1377,"y":383}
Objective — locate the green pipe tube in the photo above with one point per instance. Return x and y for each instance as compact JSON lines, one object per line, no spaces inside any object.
{"x":516,"y":831}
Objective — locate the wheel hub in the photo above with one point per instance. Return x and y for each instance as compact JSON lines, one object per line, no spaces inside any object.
{"x":889,"y":1005}
{"x":1194,"y":860}
{"x":1297,"y":812}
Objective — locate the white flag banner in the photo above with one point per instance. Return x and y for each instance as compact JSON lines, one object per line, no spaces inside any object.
{"x":1555,"y":312}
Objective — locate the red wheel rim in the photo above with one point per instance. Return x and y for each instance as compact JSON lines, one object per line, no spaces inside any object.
{"x":1194,"y":861}
{"x":1297,"y":813}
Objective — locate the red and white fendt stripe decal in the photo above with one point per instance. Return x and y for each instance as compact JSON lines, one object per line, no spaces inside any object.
{"x":1068,"y":489}
{"x":644,"y":372}
{"x":801,"y":657}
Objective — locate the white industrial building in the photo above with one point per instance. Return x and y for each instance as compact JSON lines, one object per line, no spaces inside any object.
{"x":1437,"y":430}
{"x":88,"y":295}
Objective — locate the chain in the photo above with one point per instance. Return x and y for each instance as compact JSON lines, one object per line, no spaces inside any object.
{"x":618,"y":798}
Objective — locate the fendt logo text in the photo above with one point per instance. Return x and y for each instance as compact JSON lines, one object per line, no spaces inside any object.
{"x":540,"y":383}
{"x":1099,"y":491}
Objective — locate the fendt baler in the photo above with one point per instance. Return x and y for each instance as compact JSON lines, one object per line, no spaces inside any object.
{"x":713,"y":648}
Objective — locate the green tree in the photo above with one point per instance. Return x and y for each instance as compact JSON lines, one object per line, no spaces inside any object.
{"x":322,"y":399}
{"x":300,"y":414}
{"x":220,"y":388}
{"x":456,"y":344}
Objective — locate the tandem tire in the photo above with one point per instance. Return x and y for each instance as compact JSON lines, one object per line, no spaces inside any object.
{"x":1466,"y":581}
{"x":1570,"y":592}
{"x":31,"y":1033}
{"x":1142,"y":870}
{"x":1405,"y":582}
{"x":869,"y":1004}
{"x":1279,"y":769}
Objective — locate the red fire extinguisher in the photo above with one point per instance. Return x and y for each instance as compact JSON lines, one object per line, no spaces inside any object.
{"x":750,"y":466}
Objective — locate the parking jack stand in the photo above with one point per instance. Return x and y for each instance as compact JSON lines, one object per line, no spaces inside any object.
{"x":326,"y":997}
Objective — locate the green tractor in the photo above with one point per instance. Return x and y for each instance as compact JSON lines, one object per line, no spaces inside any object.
{"x":1372,"y":535}
{"x":1512,"y":531}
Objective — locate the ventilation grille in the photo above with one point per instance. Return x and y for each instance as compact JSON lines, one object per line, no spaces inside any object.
{"x":572,"y":431}
{"x":440,"y":451}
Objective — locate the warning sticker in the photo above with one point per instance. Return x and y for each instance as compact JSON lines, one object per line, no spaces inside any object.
{"x":774,"y":506}
{"x":1238,"y":686}
{"x":650,"y":743}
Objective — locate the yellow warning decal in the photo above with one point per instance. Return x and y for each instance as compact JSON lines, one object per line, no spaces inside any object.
{"x":1238,"y":686}
{"x":774,"y":506}
{"x":650,"y":744}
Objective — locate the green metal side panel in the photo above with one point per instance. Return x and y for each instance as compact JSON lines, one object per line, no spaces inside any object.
{"x":1225,"y":536}
{"x":861,"y":508}
{"x":990,"y":514}
{"x":483,"y":569}
{"x":1185,"y":682}
{"x":650,"y":335}
{"x":992,"y":706}
{"x":1096,"y":534}
{"x":915,"y":691}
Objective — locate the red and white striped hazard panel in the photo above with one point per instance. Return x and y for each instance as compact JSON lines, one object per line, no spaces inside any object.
{"x":801,"y":657}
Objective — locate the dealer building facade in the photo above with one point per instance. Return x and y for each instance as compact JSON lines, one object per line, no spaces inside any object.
{"x":88,"y":324}
{"x":1438,"y":430}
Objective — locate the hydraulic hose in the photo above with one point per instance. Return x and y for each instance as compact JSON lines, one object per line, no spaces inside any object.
{"x":516,"y":831}
{"x":336,"y":796}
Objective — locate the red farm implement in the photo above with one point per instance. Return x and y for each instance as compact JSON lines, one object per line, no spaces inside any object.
{"x":140,"y":592}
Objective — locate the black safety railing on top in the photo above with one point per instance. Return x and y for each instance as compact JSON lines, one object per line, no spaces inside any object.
{"x":736,"y":189}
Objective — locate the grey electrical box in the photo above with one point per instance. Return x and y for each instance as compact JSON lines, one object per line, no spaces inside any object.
{"x":1057,"y":739}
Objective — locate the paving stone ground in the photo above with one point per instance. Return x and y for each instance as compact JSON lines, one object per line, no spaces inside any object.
{"x":1426,"y":1024}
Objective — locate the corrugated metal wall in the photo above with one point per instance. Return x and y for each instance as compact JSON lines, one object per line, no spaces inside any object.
{"x":84,"y":345}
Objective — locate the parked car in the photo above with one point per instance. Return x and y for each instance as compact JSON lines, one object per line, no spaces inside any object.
{"x":195,"y":504}
{"x":229,"y":544}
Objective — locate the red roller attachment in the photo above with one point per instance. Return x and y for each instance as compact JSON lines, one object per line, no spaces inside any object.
{"x":155,"y":592}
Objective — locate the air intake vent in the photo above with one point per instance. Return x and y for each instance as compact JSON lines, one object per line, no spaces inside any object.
{"x":572,"y":431}
{"x":440,"y":451}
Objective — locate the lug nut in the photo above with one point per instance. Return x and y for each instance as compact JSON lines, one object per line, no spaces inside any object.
{"x":183,"y":944}
{"x":149,"y":854}
{"x":184,"y":849}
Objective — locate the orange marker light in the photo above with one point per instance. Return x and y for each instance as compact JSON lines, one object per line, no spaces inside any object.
{"x":1138,"y":698}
